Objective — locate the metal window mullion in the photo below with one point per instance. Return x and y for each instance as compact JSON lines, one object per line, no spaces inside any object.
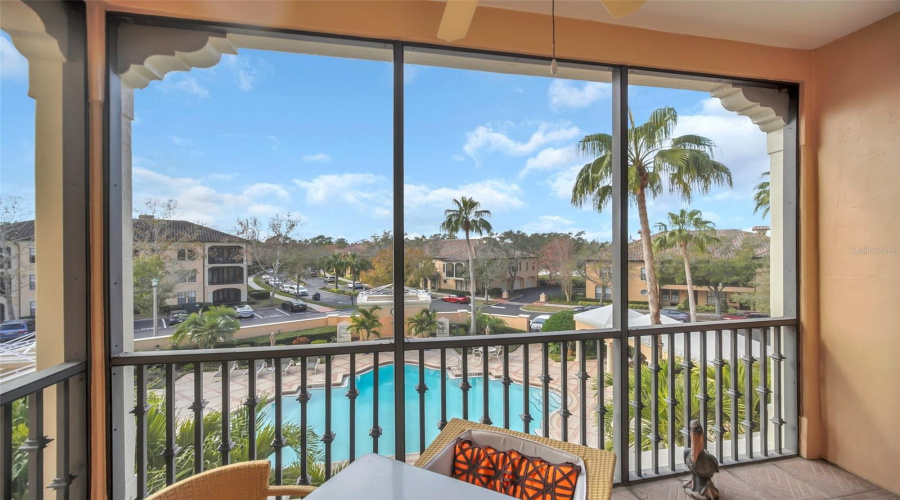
{"x":620,"y":266}
{"x":399,"y":232}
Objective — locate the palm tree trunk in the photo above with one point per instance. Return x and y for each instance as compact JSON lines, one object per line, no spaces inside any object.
{"x":689,"y":279}
{"x":471,"y":285}
{"x":649,"y":261}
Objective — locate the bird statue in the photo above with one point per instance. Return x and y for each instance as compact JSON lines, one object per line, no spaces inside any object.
{"x":702,"y":465}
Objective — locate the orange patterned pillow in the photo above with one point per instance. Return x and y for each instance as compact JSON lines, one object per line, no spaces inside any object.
{"x":468,"y":463}
{"x":536,"y":479}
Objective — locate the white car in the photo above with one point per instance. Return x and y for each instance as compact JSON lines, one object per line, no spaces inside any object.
{"x":289,"y":288}
{"x":537,"y":324}
{"x":301,"y":291}
{"x":243,"y":312}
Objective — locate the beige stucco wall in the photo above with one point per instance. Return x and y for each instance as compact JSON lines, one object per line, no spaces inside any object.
{"x":858,"y":98}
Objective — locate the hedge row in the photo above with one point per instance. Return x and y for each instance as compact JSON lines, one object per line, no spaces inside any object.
{"x":259,"y":294}
{"x":341,"y":291}
{"x":326,"y":333}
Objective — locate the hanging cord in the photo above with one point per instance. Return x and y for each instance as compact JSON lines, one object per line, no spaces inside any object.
{"x":553,"y":36}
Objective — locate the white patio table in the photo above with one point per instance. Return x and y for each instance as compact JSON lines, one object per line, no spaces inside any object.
{"x":376,"y":477}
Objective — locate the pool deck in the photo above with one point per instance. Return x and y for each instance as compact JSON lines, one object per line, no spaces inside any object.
{"x":265,"y":383}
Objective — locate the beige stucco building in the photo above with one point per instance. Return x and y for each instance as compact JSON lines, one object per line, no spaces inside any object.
{"x":451,"y":261}
{"x":598,"y":274}
{"x":18,"y":275}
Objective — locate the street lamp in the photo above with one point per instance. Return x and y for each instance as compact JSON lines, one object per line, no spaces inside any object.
{"x":155,"y":284}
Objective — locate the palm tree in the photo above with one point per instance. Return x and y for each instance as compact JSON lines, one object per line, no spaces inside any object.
{"x":356,"y":264}
{"x":208,"y":328}
{"x":468,"y":218}
{"x":686,"y":231}
{"x":663,"y":398}
{"x":366,"y":323}
{"x":655,"y":159}
{"x":761,"y":196}
{"x":423,"y":323}
{"x":337,"y":262}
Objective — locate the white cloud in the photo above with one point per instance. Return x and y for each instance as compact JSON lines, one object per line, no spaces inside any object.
{"x":200,"y":203}
{"x":190,"y":85}
{"x":366,"y":192}
{"x":568,"y":94}
{"x":317,"y":158}
{"x":561,"y":183}
{"x":550,"y":158}
{"x":494,"y":195}
{"x":559,"y":224}
{"x":485,"y":138}
{"x":13,"y":65}
{"x":457,"y":158}
{"x":410,"y":73}
{"x":247,"y":69}
{"x":274,"y":140}
{"x":221,"y":177}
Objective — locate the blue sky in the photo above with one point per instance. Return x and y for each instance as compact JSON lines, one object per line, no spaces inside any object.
{"x":267,"y":132}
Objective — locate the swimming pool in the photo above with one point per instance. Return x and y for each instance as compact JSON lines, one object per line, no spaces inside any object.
{"x":340,"y":409}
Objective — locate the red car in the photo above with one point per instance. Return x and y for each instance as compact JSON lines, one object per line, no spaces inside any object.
{"x":457,"y":299}
{"x":745,"y":315}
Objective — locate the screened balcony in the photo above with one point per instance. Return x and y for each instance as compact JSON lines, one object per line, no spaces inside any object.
{"x":123,"y":400}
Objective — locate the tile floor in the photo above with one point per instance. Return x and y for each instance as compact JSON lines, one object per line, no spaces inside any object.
{"x":792,"y":478}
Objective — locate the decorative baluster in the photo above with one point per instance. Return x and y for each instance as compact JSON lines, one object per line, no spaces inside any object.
{"x":485,"y":381}
{"x":671,"y":401}
{"x":506,"y":382}
{"x":464,"y":384}
{"x":443,"y":420}
{"x":526,"y":391}
{"x":328,"y":436}
{"x":197,"y":407}
{"x":747,"y":423}
{"x":545,"y":389}
{"x":227,"y":444}
{"x":278,"y":442}
{"x":638,"y":404}
{"x":140,"y":415}
{"x":421,"y":388}
{"x":375,"y":431}
{"x":777,"y":359}
{"x":763,"y":392}
{"x":735,"y":395}
{"x":35,"y":445}
{"x":600,"y":409}
{"x":303,"y":398}
{"x":582,"y":393}
{"x":564,"y":412}
{"x":654,"y":402}
{"x":250,"y":403}
{"x":719,"y":362}
{"x":171,"y":448}
{"x":352,"y":394}
{"x":6,"y":451}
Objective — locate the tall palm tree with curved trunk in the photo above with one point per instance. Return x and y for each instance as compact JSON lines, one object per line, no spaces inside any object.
{"x":656,"y":160}
{"x":761,"y":195}
{"x":467,"y":216}
{"x":208,"y":328}
{"x":687,"y":231}
{"x":355,"y":264}
{"x":365,"y":323}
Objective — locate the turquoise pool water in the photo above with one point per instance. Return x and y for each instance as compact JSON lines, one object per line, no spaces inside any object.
{"x":340,"y":409}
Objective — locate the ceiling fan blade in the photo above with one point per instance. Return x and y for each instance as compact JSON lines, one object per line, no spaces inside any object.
{"x":457,"y":18}
{"x":621,"y":8}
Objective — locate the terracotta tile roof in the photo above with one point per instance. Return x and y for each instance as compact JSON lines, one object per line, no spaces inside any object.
{"x":730,"y":243}
{"x":180,"y":230}
{"x":456,"y":249}
{"x":19,"y":231}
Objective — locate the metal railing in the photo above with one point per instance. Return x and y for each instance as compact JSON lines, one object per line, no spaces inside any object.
{"x":743,"y":392}
{"x":23,"y":433}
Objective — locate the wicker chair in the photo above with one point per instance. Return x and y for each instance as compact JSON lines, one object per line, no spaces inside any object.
{"x":600,"y":464}
{"x":243,"y":481}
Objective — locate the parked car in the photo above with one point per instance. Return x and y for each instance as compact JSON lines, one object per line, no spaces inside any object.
{"x":289,"y":288}
{"x":265,"y":277}
{"x":14,"y":329}
{"x":243,"y":312}
{"x":676,"y":314}
{"x":294,"y":306}
{"x":329,"y":279}
{"x":356,"y":286}
{"x":457,"y":299}
{"x":745,"y":315}
{"x":301,"y":291}
{"x":177,"y":316}
{"x":537,"y":324}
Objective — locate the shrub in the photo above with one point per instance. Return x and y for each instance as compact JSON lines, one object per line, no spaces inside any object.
{"x":561,"y":321}
{"x":259,"y":294}
{"x":319,"y":341}
{"x":495,"y":292}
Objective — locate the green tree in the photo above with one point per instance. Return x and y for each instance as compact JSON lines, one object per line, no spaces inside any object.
{"x":688,"y":232}
{"x":483,"y":321}
{"x":655,"y":159}
{"x":366,"y":323}
{"x":422,"y":324}
{"x":208,"y":328}
{"x":761,"y":196}
{"x":716,"y":274}
{"x":561,"y":321}
{"x":337,"y":263}
{"x":238,"y":436}
{"x":662,"y":398}
{"x":145,"y":269}
{"x":467,"y":217}
{"x":356,"y":264}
